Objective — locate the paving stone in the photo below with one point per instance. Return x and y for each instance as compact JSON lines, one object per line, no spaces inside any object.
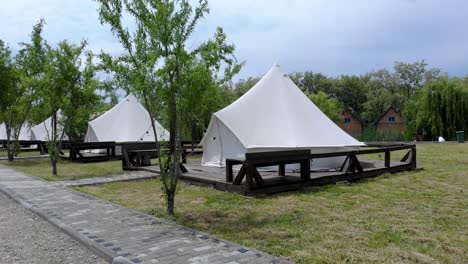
{"x":115,"y":231}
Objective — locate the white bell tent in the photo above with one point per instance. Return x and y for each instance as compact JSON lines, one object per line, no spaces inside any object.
{"x":3,"y":134}
{"x":273,"y":115}
{"x":43,"y":130}
{"x":127,"y":121}
{"x":25,"y":132}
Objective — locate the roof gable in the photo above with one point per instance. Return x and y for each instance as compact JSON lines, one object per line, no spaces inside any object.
{"x":390,"y":108}
{"x":354,"y":113}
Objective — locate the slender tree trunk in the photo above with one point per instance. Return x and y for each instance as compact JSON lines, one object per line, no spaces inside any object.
{"x":9,"y":144}
{"x":193,"y":135}
{"x":54,"y":144}
{"x":174,"y":172}
{"x":170,"y":203}
{"x":54,"y":166}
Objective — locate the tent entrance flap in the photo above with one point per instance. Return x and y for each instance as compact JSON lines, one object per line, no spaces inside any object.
{"x":220,"y":144}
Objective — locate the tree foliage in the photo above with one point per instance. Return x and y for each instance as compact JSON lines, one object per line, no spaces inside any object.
{"x":27,"y":66}
{"x":313,"y":82}
{"x":439,"y":109}
{"x":329,"y":106}
{"x":10,"y":95}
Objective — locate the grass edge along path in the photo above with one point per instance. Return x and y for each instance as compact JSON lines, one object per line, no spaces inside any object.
{"x":67,"y":170}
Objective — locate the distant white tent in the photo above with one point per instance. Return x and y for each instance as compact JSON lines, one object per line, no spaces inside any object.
{"x":273,"y":115}
{"x":127,"y":121}
{"x":3,"y":134}
{"x":43,"y":130}
{"x":25,"y":132}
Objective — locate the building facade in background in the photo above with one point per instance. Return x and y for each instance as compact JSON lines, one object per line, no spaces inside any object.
{"x":351,"y":122}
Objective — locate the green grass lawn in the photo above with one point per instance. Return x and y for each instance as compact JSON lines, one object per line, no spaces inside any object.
{"x":4,"y":153}
{"x":41,"y":167}
{"x":410,"y":217}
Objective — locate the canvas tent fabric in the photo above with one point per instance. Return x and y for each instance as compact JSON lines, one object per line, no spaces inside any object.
{"x":25,"y":132}
{"x":42,"y":131}
{"x":125,"y":122}
{"x":3,"y":134}
{"x":273,"y":115}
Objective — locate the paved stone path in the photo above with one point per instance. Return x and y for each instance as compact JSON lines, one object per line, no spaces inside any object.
{"x":118,"y":234}
{"x":128,"y":176}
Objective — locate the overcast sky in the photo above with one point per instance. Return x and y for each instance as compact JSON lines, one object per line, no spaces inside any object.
{"x":329,"y":36}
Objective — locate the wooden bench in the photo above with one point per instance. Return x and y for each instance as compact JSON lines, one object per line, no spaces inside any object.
{"x":142,"y":157}
{"x":75,"y":149}
{"x":253,"y":161}
{"x":139,"y":154}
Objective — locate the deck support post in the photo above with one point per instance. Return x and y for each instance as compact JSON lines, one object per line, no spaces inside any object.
{"x":305,"y":170}
{"x":387,"y":159}
{"x":282,"y":170}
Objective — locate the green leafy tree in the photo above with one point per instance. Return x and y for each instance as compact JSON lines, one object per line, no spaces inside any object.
{"x":28,"y":71}
{"x":351,"y":91}
{"x":329,"y":106}
{"x":411,"y":76}
{"x":203,"y":96}
{"x":10,"y":95}
{"x":383,"y":79}
{"x":243,"y":85}
{"x":313,"y":82}
{"x":439,"y":109}
{"x":378,"y":100}
{"x":68,"y":88}
{"x":160,"y":68}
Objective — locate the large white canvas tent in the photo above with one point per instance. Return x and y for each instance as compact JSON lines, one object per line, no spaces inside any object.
{"x":273,"y":115}
{"x":43,"y":130}
{"x":25,"y":132}
{"x":127,"y":121}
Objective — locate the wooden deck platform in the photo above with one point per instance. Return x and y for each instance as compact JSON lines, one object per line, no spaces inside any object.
{"x":215,"y":177}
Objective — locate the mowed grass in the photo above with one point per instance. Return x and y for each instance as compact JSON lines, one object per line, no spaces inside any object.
{"x":4,"y":153}
{"x":410,"y":217}
{"x":41,"y":167}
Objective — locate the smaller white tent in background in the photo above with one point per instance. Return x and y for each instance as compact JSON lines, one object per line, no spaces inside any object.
{"x":43,"y":130}
{"x":25,"y":132}
{"x":127,"y":121}
{"x":3,"y":134}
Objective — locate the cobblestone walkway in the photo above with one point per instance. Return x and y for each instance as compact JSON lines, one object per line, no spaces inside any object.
{"x":119,"y":234}
{"x":128,"y":176}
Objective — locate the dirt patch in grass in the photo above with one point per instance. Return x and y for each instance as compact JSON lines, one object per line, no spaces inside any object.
{"x":410,"y":217}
